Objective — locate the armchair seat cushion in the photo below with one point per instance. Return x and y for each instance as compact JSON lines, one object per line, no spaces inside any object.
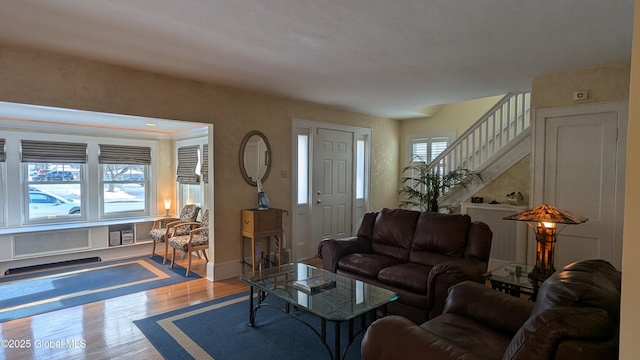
{"x":410,"y":276}
{"x":157,"y":234}
{"x":366,"y":265}
{"x":180,"y":242}
{"x":470,"y":336}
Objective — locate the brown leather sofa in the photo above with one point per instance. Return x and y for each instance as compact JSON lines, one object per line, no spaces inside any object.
{"x":576,"y":316}
{"x":417,"y":255}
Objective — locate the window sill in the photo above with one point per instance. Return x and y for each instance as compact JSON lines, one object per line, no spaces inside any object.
{"x":75,"y":225}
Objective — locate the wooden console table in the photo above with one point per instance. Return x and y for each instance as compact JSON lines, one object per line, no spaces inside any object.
{"x":258,"y":224}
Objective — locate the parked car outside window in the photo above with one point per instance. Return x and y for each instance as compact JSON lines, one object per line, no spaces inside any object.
{"x":45,"y":204}
{"x":55,"y":176}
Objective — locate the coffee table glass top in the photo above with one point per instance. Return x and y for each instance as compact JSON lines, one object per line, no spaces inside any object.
{"x":346,"y":300}
{"x":512,"y":274}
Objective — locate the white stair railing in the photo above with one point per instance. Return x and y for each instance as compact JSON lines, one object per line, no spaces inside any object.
{"x":493,"y":131}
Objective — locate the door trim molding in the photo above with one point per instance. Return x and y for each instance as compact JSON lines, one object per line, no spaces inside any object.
{"x":301,"y":223}
{"x":538,"y":155}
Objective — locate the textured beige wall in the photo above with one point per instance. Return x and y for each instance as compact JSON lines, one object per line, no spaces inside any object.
{"x":517,"y":178}
{"x":630,"y":316}
{"x":602,"y":83}
{"x":44,"y":78}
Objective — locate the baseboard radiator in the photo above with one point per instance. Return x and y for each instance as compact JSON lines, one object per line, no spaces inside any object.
{"x":40,"y":243}
{"x":53,"y":265}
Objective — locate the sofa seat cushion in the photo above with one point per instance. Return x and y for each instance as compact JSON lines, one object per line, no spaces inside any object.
{"x":410,"y":276}
{"x":407,"y":297}
{"x":367,"y":265}
{"x":469,"y":335}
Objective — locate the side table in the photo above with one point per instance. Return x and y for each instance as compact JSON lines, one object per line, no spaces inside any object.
{"x":259,"y":224}
{"x":513,"y":279}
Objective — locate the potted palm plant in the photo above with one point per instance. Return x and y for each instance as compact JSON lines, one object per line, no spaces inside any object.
{"x":425,"y":186}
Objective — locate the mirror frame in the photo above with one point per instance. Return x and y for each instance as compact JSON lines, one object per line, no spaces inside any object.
{"x":243,"y":171}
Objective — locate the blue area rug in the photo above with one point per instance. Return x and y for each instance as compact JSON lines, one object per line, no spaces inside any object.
{"x":37,"y":293}
{"x":218,"y":330}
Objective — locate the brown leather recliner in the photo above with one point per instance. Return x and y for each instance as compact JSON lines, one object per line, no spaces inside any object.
{"x":576,"y":316}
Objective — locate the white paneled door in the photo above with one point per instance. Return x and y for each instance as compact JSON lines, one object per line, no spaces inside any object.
{"x":580,"y":168}
{"x":332,"y":184}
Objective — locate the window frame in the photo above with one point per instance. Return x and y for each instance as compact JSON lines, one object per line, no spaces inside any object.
{"x":183,"y":187}
{"x":16,"y":189}
{"x":131,"y":213}
{"x":29,"y":183}
{"x":428,"y":138}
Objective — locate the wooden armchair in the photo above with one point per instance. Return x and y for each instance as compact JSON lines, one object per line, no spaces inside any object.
{"x":196,"y":240}
{"x":164,"y":228}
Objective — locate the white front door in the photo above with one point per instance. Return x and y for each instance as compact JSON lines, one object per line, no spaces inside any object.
{"x":332,"y":185}
{"x":582,"y":171}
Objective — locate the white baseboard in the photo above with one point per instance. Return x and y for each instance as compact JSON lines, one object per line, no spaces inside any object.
{"x":223,"y":271}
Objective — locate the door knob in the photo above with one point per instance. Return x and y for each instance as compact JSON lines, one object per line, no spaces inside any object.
{"x":319,"y":201}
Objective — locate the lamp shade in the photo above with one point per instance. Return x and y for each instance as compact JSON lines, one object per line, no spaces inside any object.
{"x":548,"y":214}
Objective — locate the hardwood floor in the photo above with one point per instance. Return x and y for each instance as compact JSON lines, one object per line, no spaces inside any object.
{"x":106,"y":327}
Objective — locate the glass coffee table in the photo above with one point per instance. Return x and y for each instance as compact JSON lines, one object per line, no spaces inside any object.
{"x":344,"y":300}
{"x":513,"y":279}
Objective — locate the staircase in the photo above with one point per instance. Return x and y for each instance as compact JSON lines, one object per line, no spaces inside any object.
{"x":494,"y":143}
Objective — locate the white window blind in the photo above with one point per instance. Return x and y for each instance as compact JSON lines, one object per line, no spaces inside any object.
{"x":426,"y":149}
{"x":437,"y":147}
{"x":49,"y":151}
{"x":188,"y":163}
{"x":205,"y":163}
{"x":119,"y":154}
{"x":420,"y":150}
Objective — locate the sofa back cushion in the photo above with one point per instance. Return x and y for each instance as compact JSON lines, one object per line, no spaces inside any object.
{"x":589,"y":283}
{"x":366,"y":225}
{"x":439,"y":237}
{"x":479,"y":241}
{"x":393,"y":231}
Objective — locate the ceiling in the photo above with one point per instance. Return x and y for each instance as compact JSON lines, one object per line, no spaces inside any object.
{"x":381,"y":57}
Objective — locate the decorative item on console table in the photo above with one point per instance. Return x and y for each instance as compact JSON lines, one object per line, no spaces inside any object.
{"x":515,"y":198}
{"x":263,"y":200}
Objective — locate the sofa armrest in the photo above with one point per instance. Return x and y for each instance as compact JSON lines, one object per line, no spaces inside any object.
{"x":496,"y":310}
{"x":332,"y":250}
{"x":395,"y":337}
{"x":448,"y":273}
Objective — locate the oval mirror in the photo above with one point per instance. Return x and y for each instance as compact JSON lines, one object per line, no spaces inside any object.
{"x":255,"y":157}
